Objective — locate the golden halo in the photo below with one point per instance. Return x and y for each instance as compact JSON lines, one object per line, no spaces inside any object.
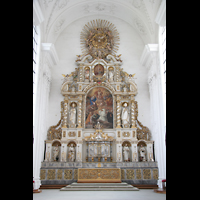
{"x":125,"y":104}
{"x":99,"y":38}
{"x":73,"y":104}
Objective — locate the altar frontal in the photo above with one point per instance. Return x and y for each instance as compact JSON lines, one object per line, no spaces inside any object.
{"x":111,"y":175}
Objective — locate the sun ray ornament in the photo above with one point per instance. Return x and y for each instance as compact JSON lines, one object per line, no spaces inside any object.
{"x":99,"y":38}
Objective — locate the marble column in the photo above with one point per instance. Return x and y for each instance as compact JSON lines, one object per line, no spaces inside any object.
{"x":119,"y":152}
{"x":149,"y":150}
{"x":48,"y":152}
{"x":63,"y":152}
{"x":79,"y":153}
{"x":134,"y":151}
{"x":65,"y":114}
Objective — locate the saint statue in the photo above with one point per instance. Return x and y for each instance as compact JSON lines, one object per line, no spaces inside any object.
{"x":71,"y":153}
{"x":73,"y":88}
{"x":56,"y":153}
{"x":72,"y":117}
{"x":110,"y":75}
{"x":142,"y":153}
{"x":125,"y":89}
{"x":87,"y":74}
{"x":125,"y":115}
{"x":126,"y":152}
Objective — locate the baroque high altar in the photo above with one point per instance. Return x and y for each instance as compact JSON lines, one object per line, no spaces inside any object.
{"x":99,"y":125}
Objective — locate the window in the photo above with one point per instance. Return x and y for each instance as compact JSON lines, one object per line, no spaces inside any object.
{"x":35,"y":65}
{"x":164,"y":54}
{"x":162,"y":47}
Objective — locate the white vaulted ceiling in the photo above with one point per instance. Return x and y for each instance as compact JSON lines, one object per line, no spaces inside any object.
{"x":140,"y":14}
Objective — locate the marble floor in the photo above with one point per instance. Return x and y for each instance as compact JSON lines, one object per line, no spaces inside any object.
{"x":142,"y":194}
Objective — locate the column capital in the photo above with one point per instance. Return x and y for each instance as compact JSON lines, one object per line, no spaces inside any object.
{"x":161,"y":14}
{"x":49,"y":48}
{"x":38,"y":16}
{"x":149,"y":53}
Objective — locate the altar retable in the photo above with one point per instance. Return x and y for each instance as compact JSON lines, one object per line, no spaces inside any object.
{"x":99,"y":117}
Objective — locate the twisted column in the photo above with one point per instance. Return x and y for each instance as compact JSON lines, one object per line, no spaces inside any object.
{"x":118,"y":113}
{"x":79,"y":111}
{"x":81,"y":73}
{"x":133,"y":118}
{"x":117,"y":74}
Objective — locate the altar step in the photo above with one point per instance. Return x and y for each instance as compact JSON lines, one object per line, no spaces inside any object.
{"x":99,"y":187}
{"x":61,"y":186}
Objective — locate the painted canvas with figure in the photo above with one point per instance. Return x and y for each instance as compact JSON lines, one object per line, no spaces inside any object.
{"x":99,"y":107}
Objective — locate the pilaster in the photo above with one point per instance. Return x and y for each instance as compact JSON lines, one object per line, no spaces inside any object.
{"x":150,"y":59}
{"x":161,"y":14}
{"x":38,"y":16}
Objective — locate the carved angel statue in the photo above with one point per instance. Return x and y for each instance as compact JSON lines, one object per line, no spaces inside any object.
{"x":118,"y":57}
{"x":78,"y":58}
{"x":67,"y":77}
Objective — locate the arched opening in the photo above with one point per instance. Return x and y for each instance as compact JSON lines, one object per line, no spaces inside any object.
{"x":142,"y":151}
{"x":56,"y":150}
{"x":71,"y":151}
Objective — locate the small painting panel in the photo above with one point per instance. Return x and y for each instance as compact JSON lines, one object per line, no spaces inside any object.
{"x":99,"y":70}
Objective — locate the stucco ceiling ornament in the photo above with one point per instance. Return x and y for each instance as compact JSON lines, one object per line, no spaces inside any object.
{"x":99,"y":38}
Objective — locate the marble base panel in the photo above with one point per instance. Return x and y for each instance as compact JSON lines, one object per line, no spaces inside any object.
{"x":96,"y":164}
{"x":139,"y":173}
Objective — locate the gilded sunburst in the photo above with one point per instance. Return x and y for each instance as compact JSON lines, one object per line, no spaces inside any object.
{"x":99,"y":38}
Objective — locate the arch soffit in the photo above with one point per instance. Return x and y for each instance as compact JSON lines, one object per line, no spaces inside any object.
{"x":71,"y":141}
{"x":69,"y":15}
{"x":126,"y":141}
{"x":56,"y":141}
{"x":141,"y":141}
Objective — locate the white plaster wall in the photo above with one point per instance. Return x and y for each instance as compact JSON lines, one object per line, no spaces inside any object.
{"x":68,"y":46}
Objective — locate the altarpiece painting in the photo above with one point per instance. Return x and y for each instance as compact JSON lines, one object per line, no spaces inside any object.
{"x":99,"y":107}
